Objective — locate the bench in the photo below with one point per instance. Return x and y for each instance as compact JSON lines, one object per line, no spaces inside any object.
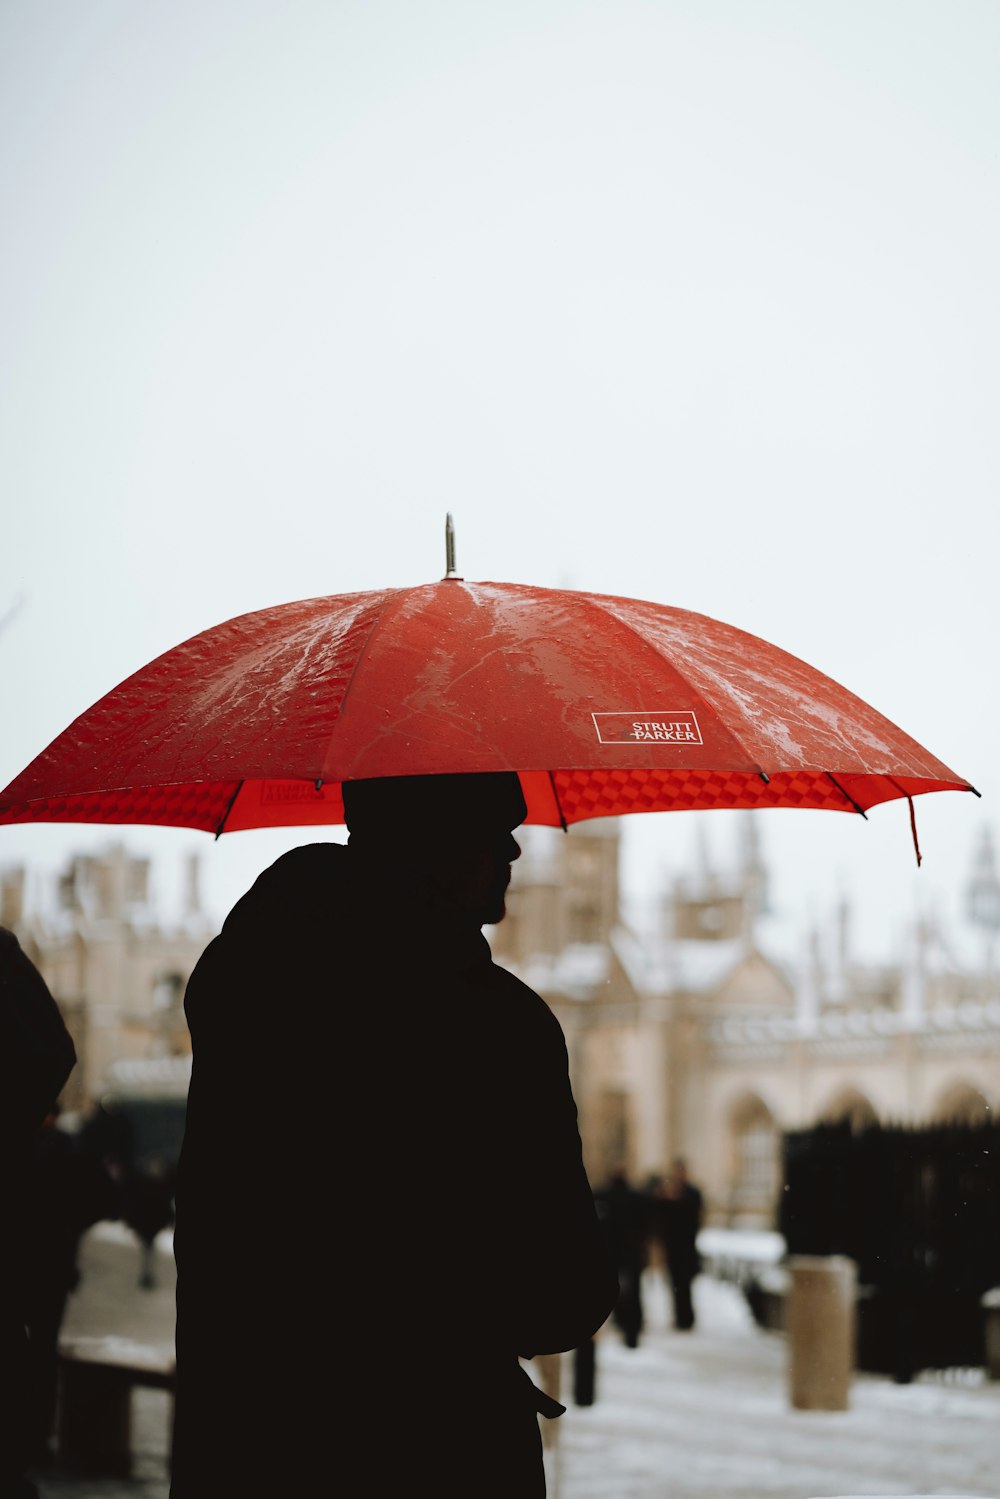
{"x":96,"y":1380}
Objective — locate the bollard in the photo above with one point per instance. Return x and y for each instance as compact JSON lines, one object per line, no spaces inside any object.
{"x":990,"y":1304}
{"x":583,"y":1373}
{"x":820,"y":1326}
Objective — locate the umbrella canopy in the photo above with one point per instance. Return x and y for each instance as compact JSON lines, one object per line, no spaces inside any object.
{"x":604,"y":706}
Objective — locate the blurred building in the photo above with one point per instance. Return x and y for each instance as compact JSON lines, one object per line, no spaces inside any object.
{"x":706,"y":1033}
{"x":117,"y":972}
{"x":713,"y":1032}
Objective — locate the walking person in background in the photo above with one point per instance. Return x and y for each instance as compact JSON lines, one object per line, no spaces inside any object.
{"x":148,"y":1208}
{"x":349,"y":1020}
{"x":682,"y":1209}
{"x":624,"y":1213}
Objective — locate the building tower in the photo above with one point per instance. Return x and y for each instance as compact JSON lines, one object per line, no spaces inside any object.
{"x":982,"y":895}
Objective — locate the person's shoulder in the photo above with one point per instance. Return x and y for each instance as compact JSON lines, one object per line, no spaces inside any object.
{"x":38,"y":1053}
{"x":17,"y":969}
{"x":11,"y":951}
{"x":295,"y":882}
{"x":308,"y":862}
{"x":288,"y":910}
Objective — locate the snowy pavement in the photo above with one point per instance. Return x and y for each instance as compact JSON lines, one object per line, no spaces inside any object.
{"x":700,"y":1415}
{"x":705,"y":1415}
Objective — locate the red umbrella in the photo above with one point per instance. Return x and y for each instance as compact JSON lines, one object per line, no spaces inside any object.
{"x":604,"y":705}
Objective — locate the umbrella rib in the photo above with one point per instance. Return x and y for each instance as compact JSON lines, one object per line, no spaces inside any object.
{"x":555,"y":793}
{"x":847,"y":795}
{"x":225,"y":816}
{"x":376,"y":626}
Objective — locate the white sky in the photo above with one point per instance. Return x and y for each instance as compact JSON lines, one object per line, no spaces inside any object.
{"x":695,"y":302}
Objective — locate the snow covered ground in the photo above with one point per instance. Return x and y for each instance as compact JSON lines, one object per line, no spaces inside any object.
{"x":705,"y":1415}
{"x":700,"y":1415}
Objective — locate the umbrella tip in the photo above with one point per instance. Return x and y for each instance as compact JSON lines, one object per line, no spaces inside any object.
{"x":449,"y":550}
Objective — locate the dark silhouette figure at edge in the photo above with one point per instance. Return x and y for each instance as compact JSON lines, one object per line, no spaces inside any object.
{"x":387,"y":1115}
{"x":680,"y":1215}
{"x":36,"y":1058}
{"x":68,"y":1191}
{"x":624,"y":1213}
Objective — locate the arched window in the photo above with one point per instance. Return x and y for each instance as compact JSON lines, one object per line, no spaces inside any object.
{"x":961,"y":1103}
{"x":849,"y":1107}
{"x":613,"y":1134}
{"x":169,"y":1031}
{"x":755,"y":1145}
{"x":168,"y":992}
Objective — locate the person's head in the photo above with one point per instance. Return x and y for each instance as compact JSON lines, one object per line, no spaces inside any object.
{"x":457,"y":826}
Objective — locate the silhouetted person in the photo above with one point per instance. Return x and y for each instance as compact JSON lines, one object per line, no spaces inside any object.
{"x":67,"y":1192}
{"x":623,"y":1210}
{"x":36,"y":1058}
{"x":148,"y":1208}
{"x":682,"y":1214}
{"x":387,"y":1117}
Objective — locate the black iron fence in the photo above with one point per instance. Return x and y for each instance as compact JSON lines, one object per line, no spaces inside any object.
{"x":919,"y":1211}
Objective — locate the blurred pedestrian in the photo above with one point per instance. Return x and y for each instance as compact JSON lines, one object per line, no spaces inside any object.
{"x":624,"y":1212}
{"x":348,"y":1024}
{"x":682,"y":1206}
{"x":36,"y":1059}
{"x":148,"y":1208}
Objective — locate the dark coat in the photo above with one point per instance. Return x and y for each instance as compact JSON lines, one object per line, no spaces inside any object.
{"x":683,"y":1220}
{"x":36,"y":1051}
{"x":381,"y":1199}
{"x":625,"y":1215}
{"x":36,"y":1059}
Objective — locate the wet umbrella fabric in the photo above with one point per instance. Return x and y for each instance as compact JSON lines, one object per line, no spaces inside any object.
{"x":604,"y":705}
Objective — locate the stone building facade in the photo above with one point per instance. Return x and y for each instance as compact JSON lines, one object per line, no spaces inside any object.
{"x":703,"y":1038}
{"x":702,"y":1035}
{"x":116,"y":971}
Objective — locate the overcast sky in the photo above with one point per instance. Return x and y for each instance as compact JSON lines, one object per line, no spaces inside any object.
{"x":694,"y":302}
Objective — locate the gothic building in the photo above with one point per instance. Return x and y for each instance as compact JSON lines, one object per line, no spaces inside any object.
{"x":700,"y":1036}
{"x":117,"y":973}
{"x":702,"y":1039}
